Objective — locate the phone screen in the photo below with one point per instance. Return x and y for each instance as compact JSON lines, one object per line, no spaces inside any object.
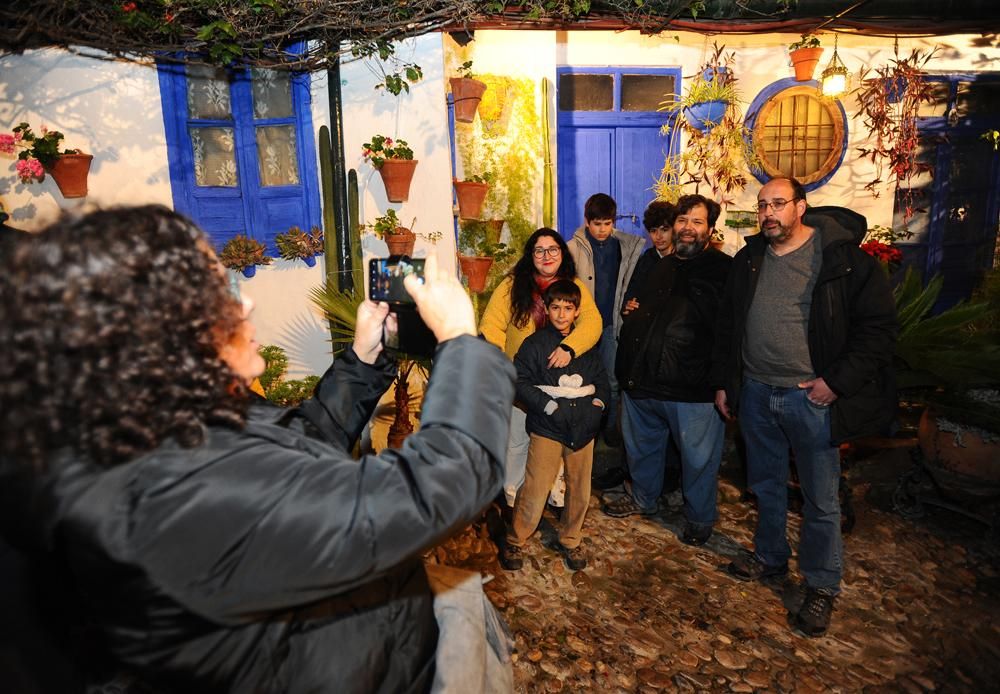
{"x":385,"y":278}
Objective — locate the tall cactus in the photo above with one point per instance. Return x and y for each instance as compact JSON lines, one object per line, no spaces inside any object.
{"x":330,"y":230}
{"x":354,"y":222}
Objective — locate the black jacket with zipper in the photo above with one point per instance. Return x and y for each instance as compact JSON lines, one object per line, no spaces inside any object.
{"x":852,"y":325}
{"x":577,"y":420}
{"x":665,"y":347}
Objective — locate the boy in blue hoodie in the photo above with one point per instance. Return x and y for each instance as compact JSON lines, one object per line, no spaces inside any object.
{"x":565,"y":407}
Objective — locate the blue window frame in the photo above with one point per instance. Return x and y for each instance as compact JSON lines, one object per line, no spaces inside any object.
{"x":248,"y":196}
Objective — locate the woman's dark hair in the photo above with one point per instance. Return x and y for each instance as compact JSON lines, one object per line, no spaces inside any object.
{"x":522,"y":292}
{"x":110,"y":329}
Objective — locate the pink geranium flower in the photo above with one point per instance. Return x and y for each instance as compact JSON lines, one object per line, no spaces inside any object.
{"x":28,"y":169}
{"x":7,"y":144}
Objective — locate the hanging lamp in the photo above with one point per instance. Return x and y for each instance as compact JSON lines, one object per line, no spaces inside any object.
{"x":835,"y":77}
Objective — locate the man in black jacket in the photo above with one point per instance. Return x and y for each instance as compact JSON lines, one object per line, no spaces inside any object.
{"x":664,"y":356}
{"x":804,"y":355}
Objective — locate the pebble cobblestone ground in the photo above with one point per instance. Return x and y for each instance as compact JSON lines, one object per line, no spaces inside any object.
{"x":919,"y":611}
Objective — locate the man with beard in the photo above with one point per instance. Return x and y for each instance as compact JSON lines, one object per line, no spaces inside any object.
{"x":804,"y":350}
{"x":664,"y":357}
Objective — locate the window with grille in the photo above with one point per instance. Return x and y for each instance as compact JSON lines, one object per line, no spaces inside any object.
{"x":798,"y":133}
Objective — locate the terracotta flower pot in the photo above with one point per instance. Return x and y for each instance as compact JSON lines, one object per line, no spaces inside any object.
{"x":396,"y":176}
{"x":466,"y":94}
{"x":470,"y":196}
{"x":400,"y":243}
{"x":494,"y":228}
{"x":805,"y":60}
{"x":70,"y":172}
{"x":967,"y":467}
{"x":475,"y":269}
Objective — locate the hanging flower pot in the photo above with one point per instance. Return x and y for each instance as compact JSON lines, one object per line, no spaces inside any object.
{"x":396,"y":176}
{"x":471,"y":195}
{"x":475,"y":269}
{"x":310,"y":261}
{"x":70,"y":171}
{"x":466,"y":93}
{"x":805,"y":60}
{"x":400,"y":242}
{"x":705,"y":115}
{"x":249,"y":271}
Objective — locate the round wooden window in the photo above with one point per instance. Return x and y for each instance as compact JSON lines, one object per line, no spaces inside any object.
{"x":797,"y":133}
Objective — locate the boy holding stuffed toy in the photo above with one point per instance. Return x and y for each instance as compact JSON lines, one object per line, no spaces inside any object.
{"x":564,"y":406}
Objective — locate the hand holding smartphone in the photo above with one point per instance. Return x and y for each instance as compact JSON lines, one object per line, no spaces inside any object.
{"x":407,"y":332}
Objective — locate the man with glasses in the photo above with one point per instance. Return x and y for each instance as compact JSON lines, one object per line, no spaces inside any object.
{"x":804,"y":353}
{"x":664,"y":357}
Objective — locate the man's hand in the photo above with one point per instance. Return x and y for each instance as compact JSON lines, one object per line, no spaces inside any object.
{"x":630,"y":306}
{"x":722,"y":403}
{"x":819,"y":392}
{"x":559,"y":358}
{"x":442,"y":302}
{"x":368,"y":329}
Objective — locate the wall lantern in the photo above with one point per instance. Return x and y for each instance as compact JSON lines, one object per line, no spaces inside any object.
{"x":835,"y":77}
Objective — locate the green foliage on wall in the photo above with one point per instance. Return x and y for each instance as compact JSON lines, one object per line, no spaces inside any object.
{"x":508,"y":143}
{"x":276,"y":388}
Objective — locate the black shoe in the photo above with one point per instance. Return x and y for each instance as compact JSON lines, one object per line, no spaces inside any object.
{"x":696,"y":535}
{"x":510,"y":557}
{"x":625,"y":506}
{"x":750,"y":567}
{"x":608,"y":479}
{"x":573,"y":557}
{"x":813,"y":618}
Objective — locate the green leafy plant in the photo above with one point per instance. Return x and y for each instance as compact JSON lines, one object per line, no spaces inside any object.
{"x":389,"y":224}
{"x":37,"y":151}
{"x":295,"y":243}
{"x":474,"y":239}
{"x":485,"y":177}
{"x":465,"y":70}
{"x":340,"y":308}
{"x":285,"y":393}
{"x":741,"y":219}
{"x":381,"y":54}
{"x":807,"y":41}
{"x":241,"y":252}
{"x":380,"y":148}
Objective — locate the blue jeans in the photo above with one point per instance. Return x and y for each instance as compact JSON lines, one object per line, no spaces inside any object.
{"x":647,"y":426}
{"x":774,"y":418}
{"x":607,"y":348}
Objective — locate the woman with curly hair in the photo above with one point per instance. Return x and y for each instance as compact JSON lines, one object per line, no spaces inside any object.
{"x":516,"y":310}
{"x":216,"y":542}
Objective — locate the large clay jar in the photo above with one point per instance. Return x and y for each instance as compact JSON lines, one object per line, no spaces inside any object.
{"x":965,"y":465}
{"x":466,"y":93}
{"x":396,"y":176}
{"x":70,"y":172}
{"x":401,"y":242}
{"x":805,"y":60}
{"x":475,"y":268}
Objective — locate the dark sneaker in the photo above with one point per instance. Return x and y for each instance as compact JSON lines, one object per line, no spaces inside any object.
{"x":813,"y":617}
{"x":625,"y":506}
{"x":696,"y":535}
{"x":511,"y":557}
{"x":750,"y":567}
{"x":608,"y":479}
{"x":573,"y":557}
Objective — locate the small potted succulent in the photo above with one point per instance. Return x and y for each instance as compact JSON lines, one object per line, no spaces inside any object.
{"x":398,"y":238}
{"x":466,"y":93}
{"x":805,"y":54}
{"x":40,"y":154}
{"x":471,"y":193}
{"x":244,"y":254}
{"x":395,"y":164}
{"x":295,"y":243}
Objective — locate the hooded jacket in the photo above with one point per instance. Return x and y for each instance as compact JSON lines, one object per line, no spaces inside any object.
{"x":852,"y":325}
{"x":583,"y":256}
{"x":267,"y":559}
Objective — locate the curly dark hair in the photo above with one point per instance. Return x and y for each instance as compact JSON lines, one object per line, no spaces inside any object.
{"x":110,"y":327}
{"x":522,"y":292}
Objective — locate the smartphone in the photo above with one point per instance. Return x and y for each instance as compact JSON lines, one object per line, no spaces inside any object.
{"x":385,"y":278}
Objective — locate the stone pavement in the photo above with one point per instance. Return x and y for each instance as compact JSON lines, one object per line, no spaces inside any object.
{"x":920,"y":608}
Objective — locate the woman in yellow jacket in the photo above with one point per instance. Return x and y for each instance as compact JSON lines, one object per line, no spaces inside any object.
{"x":516,"y":310}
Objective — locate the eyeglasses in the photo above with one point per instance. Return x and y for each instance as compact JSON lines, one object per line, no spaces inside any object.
{"x":552,"y":251}
{"x":776,"y":205}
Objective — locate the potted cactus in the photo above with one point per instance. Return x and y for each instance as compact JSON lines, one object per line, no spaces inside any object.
{"x":244,"y":254}
{"x":295,"y":243}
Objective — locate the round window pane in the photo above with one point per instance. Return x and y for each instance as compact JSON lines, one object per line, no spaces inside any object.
{"x":798,"y":133}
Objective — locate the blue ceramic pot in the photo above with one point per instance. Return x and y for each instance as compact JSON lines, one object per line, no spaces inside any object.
{"x":249,"y":271}
{"x":705,"y":115}
{"x":310,"y":261}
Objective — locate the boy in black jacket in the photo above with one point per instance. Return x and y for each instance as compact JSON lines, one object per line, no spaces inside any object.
{"x":564,"y":406}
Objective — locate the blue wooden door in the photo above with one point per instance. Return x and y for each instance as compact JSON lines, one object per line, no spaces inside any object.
{"x":609,"y":140}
